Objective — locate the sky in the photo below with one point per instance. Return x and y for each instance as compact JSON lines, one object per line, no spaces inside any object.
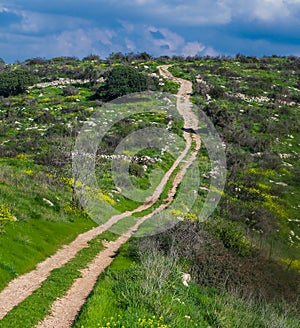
{"x":54,"y":28}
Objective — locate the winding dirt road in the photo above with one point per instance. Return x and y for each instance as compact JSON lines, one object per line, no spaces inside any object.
{"x":64,"y":310}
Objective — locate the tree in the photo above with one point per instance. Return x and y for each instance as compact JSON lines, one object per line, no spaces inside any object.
{"x":122,"y":80}
{"x":91,"y":74}
{"x":116,"y":57}
{"x":2,"y":64}
{"x":91,"y":57}
{"x":143,"y":56}
{"x":15,"y":82}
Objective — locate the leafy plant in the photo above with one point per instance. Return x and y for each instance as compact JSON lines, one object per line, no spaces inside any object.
{"x":70,"y":91}
{"x":149,"y":293}
{"x":230,"y":233}
{"x":15,"y":82}
{"x":122,"y":80}
{"x":5,"y":216}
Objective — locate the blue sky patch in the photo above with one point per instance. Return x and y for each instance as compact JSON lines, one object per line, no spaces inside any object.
{"x":160,"y":27}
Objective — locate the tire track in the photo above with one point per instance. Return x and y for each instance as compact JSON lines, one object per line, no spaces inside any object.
{"x":20,"y":288}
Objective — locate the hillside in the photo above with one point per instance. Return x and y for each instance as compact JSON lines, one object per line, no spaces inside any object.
{"x":243,"y":261}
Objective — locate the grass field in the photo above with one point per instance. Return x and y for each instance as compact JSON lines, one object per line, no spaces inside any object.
{"x":253,"y":104}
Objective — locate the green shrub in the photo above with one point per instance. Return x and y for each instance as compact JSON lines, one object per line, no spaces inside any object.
{"x":170,"y":86}
{"x":70,"y":91}
{"x":15,"y":82}
{"x":5,"y":216}
{"x":230,"y":233}
{"x":122,"y":80}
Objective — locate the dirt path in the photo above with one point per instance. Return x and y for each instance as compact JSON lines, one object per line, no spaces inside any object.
{"x":23,"y":286}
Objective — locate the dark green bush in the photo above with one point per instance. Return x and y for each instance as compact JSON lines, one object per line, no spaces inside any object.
{"x":230,"y":233}
{"x":70,"y":91}
{"x":122,"y":80}
{"x":15,"y":82}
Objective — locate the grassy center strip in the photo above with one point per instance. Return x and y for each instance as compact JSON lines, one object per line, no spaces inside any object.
{"x":37,"y":305}
{"x":164,"y":195}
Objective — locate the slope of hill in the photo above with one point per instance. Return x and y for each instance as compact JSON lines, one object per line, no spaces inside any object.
{"x":254,"y":105}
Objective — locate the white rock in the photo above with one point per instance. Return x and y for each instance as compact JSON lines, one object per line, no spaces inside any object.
{"x":186,"y":278}
{"x":48,"y":201}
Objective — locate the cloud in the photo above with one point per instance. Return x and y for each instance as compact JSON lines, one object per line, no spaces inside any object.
{"x":179,"y":12}
{"x":160,"y":27}
{"x":192,"y":49}
{"x":130,"y":45}
{"x":41,"y":23}
{"x":169,"y":12}
{"x":265,"y":10}
{"x":81,"y":42}
{"x":159,"y":41}
{"x":35,"y":42}
{"x":169,"y":41}
{"x":269,"y":10}
{"x":7,"y":17}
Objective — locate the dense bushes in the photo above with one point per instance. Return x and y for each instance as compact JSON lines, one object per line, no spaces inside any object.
{"x":144,"y":288}
{"x":212,"y":249}
{"x":231,"y":235}
{"x":70,"y":91}
{"x":123,"y":80}
{"x":15,"y":82}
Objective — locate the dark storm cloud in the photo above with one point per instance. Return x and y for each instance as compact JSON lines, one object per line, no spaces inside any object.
{"x":73,"y":27}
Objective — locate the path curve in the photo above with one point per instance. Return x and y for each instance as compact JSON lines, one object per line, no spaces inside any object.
{"x":22,"y":287}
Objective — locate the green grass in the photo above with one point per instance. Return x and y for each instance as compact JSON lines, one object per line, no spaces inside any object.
{"x":132,"y":292}
{"x":27,"y":313}
{"x":271,"y":206}
{"x":42,"y":123}
{"x":40,"y":229}
{"x":37,"y":240}
{"x":36,"y":306}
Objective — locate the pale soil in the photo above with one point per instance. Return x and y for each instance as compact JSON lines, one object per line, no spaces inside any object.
{"x":64,"y":310}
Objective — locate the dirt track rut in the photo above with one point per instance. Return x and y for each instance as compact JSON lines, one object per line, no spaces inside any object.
{"x":64,"y":310}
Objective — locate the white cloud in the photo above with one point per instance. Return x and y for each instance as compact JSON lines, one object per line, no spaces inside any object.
{"x":209,"y":51}
{"x":192,"y":49}
{"x":268,"y":10}
{"x":3,"y":10}
{"x":130,"y":45}
{"x":265,"y":10}
{"x":172,"y":12}
{"x":180,"y":12}
{"x":63,"y":35}
{"x":79,"y":43}
{"x":185,"y":27}
{"x":32,"y":22}
{"x":82,"y":42}
{"x":215,"y":12}
{"x":200,"y":13}
{"x":144,"y":2}
{"x":136,"y":39}
{"x":170,"y":41}
{"x":129,"y":27}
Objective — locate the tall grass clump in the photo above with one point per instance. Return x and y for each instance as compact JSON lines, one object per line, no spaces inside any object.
{"x":144,"y":288}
